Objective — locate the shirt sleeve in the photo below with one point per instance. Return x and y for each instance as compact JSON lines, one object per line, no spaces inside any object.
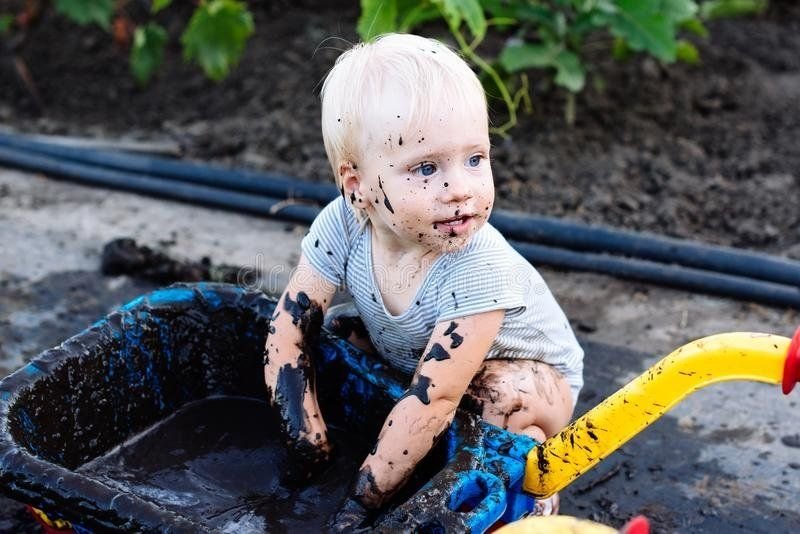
{"x":477,"y":283}
{"x":327,"y":244}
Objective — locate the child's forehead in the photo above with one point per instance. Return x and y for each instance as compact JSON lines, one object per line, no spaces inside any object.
{"x":400,"y":125}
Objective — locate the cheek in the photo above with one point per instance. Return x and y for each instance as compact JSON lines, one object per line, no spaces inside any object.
{"x":415,"y":208}
{"x":487,"y":189}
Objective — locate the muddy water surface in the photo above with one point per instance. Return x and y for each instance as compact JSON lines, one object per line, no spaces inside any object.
{"x":219,"y":462}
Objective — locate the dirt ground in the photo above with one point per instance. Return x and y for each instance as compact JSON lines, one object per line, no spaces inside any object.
{"x":705,"y":152}
{"x":718,"y":461}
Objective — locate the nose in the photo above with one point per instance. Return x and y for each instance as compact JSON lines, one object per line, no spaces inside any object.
{"x":457,"y":186}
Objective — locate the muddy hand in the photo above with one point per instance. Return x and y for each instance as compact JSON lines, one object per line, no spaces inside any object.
{"x":352,"y":516}
{"x":306,"y":459}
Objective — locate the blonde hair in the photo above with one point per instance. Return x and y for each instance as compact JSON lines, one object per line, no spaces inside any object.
{"x":425,"y":70}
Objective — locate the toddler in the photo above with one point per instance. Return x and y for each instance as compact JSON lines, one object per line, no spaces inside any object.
{"x":441,"y":294}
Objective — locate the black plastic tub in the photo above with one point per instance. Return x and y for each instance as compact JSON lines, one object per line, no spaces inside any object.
{"x":154,"y":419}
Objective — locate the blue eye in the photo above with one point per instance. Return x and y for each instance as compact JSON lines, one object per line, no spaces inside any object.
{"x":426,"y":169}
{"x":474,"y":161}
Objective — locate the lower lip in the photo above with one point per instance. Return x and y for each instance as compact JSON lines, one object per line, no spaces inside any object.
{"x":456,"y":229}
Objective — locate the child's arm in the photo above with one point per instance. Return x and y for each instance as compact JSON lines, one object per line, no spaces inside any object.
{"x":453,"y":356}
{"x":291,"y":344}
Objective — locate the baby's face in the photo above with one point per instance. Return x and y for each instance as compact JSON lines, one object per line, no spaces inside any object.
{"x":427,"y":185}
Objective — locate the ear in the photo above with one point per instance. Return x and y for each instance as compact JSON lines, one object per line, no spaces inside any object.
{"x":351,"y":184}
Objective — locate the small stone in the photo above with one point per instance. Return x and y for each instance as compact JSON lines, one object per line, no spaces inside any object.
{"x":792,"y":440}
{"x":586,"y":326}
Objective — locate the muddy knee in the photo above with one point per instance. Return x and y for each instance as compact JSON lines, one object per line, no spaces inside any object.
{"x":522,"y":396}
{"x":493,"y":393}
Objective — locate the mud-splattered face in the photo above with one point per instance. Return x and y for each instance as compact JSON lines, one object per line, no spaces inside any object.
{"x":426,"y":183}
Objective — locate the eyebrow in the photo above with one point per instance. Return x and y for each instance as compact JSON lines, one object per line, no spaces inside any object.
{"x":434,"y":154}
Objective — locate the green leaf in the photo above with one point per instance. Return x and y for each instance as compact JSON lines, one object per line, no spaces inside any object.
{"x":538,"y":14}
{"x":417,"y":13}
{"x":158,"y":5}
{"x":147,"y":52}
{"x":688,"y":53}
{"x":450,"y":12}
{"x":695,"y":27}
{"x":377,"y":17}
{"x":6,"y":21}
{"x":216,"y":35}
{"x":499,"y":8}
{"x":679,"y":10}
{"x":644,"y":27}
{"x":472,"y":12}
{"x":586,"y":22}
{"x":570,"y":72}
{"x":604,"y":6}
{"x":87,"y":11}
{"x":522,"y":56}
{"x":715,"y":9}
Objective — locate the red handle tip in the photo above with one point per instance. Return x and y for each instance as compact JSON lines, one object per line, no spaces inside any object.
{"x":637,"y":525}
{"x":791,"y":367}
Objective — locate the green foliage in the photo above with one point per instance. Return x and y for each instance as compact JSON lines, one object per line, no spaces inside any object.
{"x":377,"y":18}
{"x":715,"y":9}
{"x":687,"y":52}
{"x":551,"y":35}
{"x":87,"y":11}
{"x":158,"y":5}
{"x":6,"y":21}
{"x":147,"y":51}
{"x":216,"y":36}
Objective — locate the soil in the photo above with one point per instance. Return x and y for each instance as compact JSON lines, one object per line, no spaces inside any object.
{"x":706,"y":152}
{"x":718,"y":461}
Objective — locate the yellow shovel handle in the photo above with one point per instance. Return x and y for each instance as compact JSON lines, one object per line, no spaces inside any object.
{"x":737,"y":356}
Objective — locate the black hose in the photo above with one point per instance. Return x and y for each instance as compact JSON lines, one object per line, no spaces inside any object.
{"x":577,"y":236}
{"x":159,"y":187}
{"x":269,"y":184}
{"x":528,"y":228}
{"x":659,"y":273}
{"x":675,"y":276}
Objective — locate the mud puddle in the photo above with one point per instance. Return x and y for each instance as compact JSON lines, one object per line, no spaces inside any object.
{"x":219,"y":462}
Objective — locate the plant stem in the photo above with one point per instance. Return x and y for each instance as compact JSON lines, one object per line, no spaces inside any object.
{"x":569,"y":108}
{"x":488,"y":69}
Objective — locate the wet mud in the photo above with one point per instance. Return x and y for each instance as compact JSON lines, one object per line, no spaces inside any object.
{"x":419,"y":389}
{"x":650,"y":475}
{"x":455,"y":338}
{"x":125,"y":256}
{"x":292,"y":386}
{"x":385,"y":198}
{"x":437,"y":353}
{"x":220,"y":462}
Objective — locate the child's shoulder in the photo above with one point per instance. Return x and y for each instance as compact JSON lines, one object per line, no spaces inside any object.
{"x":337,"y":218}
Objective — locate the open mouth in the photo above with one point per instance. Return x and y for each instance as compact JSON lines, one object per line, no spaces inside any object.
{"x":455,"y":221}
{"x":455,"y":225}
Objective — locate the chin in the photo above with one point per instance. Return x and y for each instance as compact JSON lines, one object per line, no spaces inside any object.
{"x":451,"y":244}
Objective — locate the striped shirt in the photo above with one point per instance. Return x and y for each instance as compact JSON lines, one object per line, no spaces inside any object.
{"x":485,"y":275}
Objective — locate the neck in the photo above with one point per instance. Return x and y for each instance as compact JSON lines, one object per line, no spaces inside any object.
{"x":387,"y":244}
